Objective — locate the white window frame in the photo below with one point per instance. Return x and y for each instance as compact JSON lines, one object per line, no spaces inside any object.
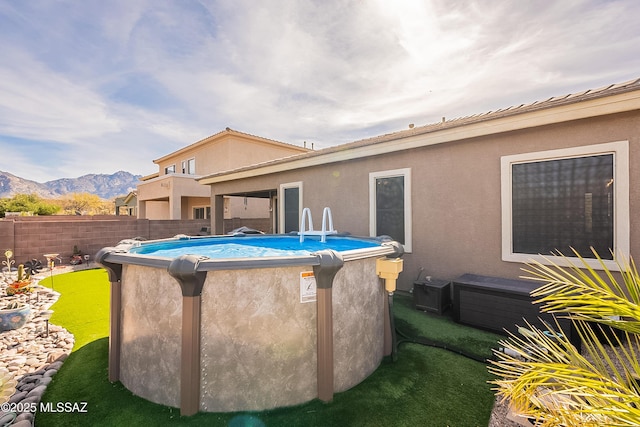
{"x":186,"y":168}
{"x":170,"y":169}
{"x":621,"y":224}
{"x":408,"y":227}
{"x":283,"y":187}
{"x":207,"y":211}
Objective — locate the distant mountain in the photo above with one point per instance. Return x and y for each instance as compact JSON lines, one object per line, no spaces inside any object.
{"x":102,"y":185}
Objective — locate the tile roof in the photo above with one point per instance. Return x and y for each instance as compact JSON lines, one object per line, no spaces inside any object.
{"x":539,"y":105}
{"x":605,"y":91}
{"x":229,"y":131}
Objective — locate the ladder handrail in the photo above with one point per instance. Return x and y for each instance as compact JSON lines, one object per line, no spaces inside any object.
{"x":306,"y":213}
{"x":327,"y":225}
{"x":326,"y":214}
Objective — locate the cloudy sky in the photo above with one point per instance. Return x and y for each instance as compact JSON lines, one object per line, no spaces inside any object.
{"x":97,"y":86}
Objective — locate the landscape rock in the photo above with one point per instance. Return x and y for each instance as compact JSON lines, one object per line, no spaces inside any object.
{"x":29,"y":353}
{"x":6,"y":418}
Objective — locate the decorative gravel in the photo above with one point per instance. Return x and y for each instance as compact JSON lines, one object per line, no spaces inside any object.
{"x":33,"y":353}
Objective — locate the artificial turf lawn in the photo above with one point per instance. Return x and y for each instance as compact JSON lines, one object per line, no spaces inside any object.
{"x":83,"y":306}
{"x":426,"y":386}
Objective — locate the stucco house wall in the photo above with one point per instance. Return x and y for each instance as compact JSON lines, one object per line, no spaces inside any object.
{"x":227,"y":150}
{"x":156,"y":210}
{"x":173,"y":193}
{"x":244,"y":207}
{"x":455,"y":191}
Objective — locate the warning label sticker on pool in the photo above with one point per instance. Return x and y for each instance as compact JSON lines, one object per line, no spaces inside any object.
{"x":307,"y":287}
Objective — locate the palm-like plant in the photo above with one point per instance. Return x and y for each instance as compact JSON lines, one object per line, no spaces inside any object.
{"x":7,"y":386}
{"x":550,"y":381}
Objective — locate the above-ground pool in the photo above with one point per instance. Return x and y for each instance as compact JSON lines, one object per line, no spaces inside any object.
{"x":250,"y":246}
{"x":246,"y":323}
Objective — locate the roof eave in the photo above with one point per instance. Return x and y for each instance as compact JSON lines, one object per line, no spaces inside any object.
{"x":227,"y":132}
{"x":430,"y":135}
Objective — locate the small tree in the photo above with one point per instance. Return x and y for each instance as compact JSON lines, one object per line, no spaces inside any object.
{"x":85,"y":203}
{"x":547,"y":379}
{"x":27,"y":203}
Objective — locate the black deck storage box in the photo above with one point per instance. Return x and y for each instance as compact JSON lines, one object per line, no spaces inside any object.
{"x":432,"y":295}
{"x":496,"y":304}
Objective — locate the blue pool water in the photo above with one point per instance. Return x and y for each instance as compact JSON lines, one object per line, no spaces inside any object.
{"x":250,"y":246}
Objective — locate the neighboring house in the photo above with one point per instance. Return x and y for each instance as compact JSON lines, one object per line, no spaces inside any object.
{"x":127,"y":205}
{"x":481,"y":194}
{"x":174,"y":192}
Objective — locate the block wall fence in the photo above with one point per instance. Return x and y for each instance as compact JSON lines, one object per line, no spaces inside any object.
{"x":32,"y":237}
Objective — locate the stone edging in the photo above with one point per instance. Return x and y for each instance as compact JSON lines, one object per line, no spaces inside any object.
{"x":28,"y":394}
{"x":31,"y":354}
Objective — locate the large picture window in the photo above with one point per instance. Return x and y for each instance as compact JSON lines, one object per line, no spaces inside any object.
{"x":566,"y":199}
{"x":390,"y":205}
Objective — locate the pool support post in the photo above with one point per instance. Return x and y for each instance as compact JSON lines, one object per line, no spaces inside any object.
{"x":185,"y":270}
{"x":324,"y":272}
{"x":115,"y":278}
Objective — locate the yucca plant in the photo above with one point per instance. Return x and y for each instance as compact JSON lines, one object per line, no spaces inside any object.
{"x":546,"y":379}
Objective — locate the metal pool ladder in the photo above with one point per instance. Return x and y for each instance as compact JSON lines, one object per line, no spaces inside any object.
{"x":327,"y":225}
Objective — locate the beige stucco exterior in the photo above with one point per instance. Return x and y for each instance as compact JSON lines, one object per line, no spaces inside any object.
{"x":174,"y":193}
{"x":455,"y":178}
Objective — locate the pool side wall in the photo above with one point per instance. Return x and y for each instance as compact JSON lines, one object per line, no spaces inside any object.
{"x":358,"y":323}
{"x":151,"y":333}
{"x":258,"y":341}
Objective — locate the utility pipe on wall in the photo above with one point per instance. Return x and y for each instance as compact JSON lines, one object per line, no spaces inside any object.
{"x":389,"y":270}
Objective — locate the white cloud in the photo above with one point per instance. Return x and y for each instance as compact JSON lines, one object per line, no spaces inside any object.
{"x":38,"y":103}
{"x":126,"y":82}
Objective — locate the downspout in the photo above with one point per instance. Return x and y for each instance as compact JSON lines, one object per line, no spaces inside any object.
{"x":185,"y":270}
{"x":330,"y":263}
